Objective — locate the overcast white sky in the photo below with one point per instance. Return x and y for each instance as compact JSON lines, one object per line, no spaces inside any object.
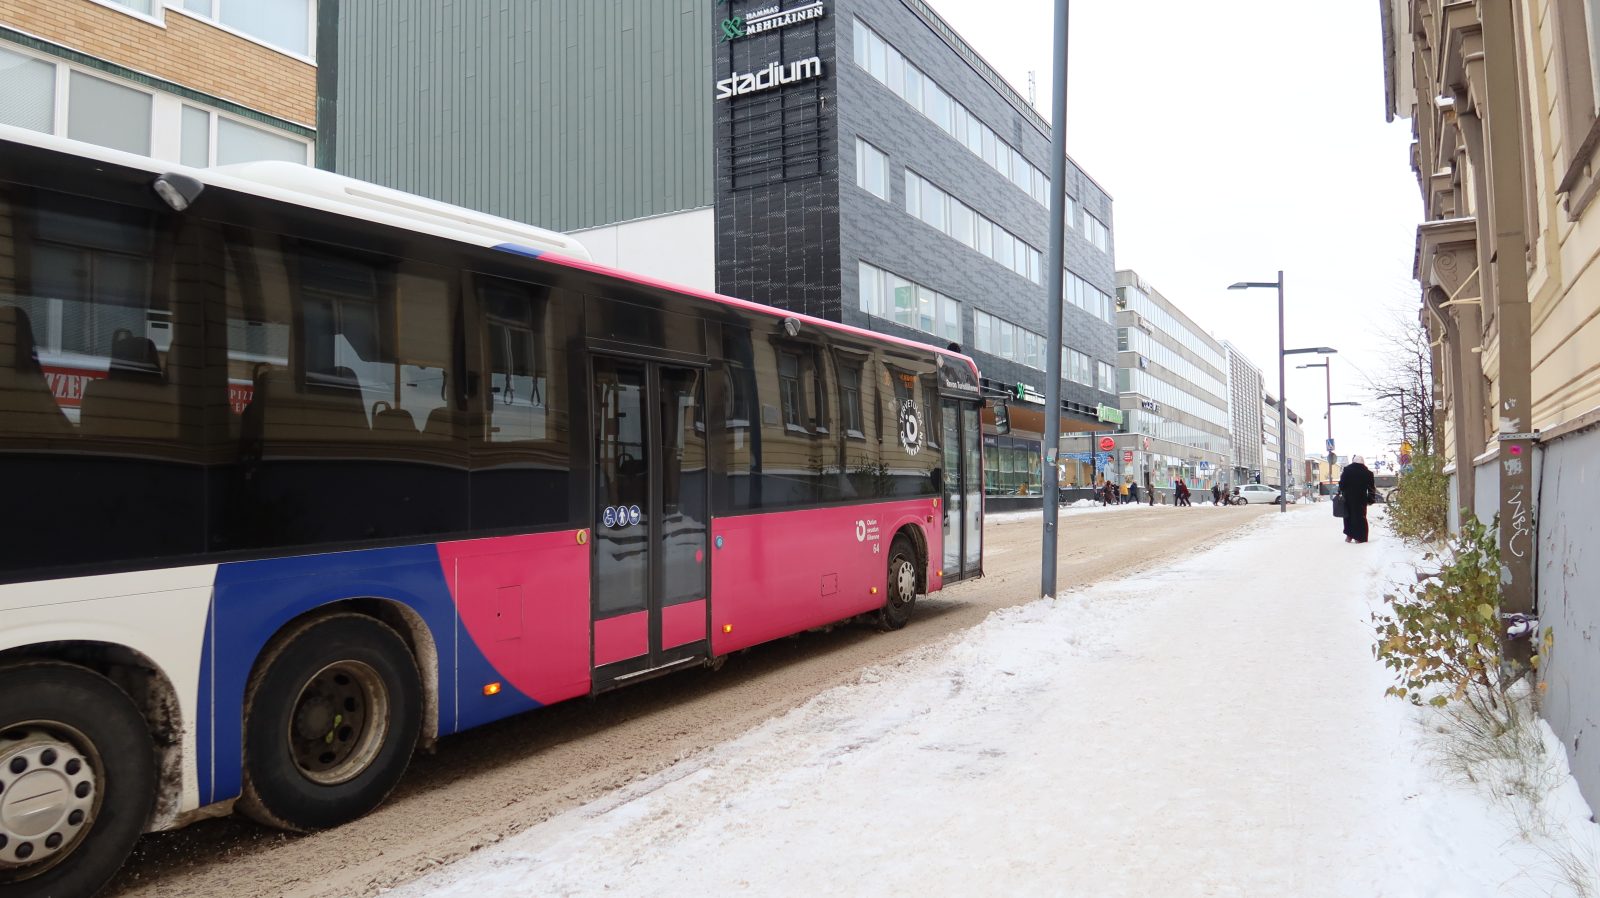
{"x":1237,"y":138}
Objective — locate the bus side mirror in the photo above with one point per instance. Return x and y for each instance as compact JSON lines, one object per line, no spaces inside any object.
{"x":1002,"y":418}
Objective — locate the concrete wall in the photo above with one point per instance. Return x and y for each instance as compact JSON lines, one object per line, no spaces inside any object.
{"x":1568,"y":575}
{"x":679,"y":247}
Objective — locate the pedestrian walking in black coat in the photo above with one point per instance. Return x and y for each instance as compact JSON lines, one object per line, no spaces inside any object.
{"x":1359,"y":490}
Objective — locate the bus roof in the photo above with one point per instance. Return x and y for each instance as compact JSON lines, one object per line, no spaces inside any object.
{"x":314,"y":188}
{"x":303,"y":185}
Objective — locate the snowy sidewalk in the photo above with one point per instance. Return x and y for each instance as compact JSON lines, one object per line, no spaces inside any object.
{"x":1211,"y":728}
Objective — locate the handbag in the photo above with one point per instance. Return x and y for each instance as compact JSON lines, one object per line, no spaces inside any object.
{"x":1338,"y":505}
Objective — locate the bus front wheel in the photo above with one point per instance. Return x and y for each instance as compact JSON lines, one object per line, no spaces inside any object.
{"x":77,"y":779}
{"x":331,"y":720}
{"x":902,"y":591}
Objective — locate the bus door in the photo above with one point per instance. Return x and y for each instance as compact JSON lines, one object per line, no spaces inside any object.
{"x":651,"y":519}
{"x":963,"y":489}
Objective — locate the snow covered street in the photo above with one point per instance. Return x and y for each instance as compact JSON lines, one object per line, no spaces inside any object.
{"x":1215,"y":727}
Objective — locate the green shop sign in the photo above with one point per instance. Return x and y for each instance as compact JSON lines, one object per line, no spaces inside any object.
{"x":1108,"y":414}
{"x":769,"y":18}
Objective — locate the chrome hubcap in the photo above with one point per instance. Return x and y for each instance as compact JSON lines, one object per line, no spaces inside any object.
{"x":906,"y":582}
{"x":339,"y":723}
{"x":49,"y":793}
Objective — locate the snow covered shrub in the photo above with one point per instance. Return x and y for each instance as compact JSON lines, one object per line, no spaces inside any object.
{"x":1442,"y":637}
{"x":1419,"y":507}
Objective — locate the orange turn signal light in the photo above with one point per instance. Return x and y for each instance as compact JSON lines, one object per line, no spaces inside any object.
{"x":491,"y":689}
{"x":727,"y":628}
{"x":874,"y":590}
{"x":583,"y":537}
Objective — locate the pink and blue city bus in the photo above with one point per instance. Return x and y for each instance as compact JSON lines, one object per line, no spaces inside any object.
{"x":303,"y":473}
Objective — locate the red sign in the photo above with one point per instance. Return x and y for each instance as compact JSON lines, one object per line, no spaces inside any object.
{"x":1127,"y":456}
{"x":66,"y":384}
{"x":1107,"y":444}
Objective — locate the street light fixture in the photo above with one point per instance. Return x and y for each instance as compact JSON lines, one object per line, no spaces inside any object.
{"x":1283,"y":401}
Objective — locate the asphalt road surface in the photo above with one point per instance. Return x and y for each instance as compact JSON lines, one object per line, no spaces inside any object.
{"x":483,"y":785}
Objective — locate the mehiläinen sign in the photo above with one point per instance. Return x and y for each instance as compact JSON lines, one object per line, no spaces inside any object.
{"x":769,"y":18}
{"x":774,"y":75}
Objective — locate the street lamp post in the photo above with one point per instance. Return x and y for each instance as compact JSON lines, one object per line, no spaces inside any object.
{"x":1283,"y":400}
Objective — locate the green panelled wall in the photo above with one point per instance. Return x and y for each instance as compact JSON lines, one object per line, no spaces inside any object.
{"x":561,"y":113}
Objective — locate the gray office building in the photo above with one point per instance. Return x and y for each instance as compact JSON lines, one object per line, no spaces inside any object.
{"x":850,"y":159}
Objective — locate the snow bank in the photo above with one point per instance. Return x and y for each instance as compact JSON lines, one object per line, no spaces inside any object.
{"x":1202,"y":730}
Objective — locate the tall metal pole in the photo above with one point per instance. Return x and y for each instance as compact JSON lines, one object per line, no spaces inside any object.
{"x":1327,"y":371}
{"x":1283,"y":410}
{"x":1055,"y":262}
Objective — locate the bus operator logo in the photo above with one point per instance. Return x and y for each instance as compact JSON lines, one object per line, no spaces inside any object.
{"x":910,"y":427}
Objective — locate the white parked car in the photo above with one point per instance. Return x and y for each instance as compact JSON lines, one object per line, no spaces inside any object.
{"x":1259,"y":494}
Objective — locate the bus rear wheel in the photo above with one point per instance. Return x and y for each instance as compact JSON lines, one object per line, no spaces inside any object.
{"x":77,"y":779}
{"x":902,"y":591}
{"x":331,"y":720}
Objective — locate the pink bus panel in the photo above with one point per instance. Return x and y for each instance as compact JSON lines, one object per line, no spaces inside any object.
{"x":524,"y":601}
{"x":780,"y":573}
{"x":621,"y":638}
{"x":683,"y":624}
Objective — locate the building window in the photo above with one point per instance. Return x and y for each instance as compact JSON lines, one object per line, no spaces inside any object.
{"x":29,"y":98}
{"x":142,"y":7}
{"x":789,"y":394}
{"x":872,"y":169}
{"x":850,"y":399}
{"x":887,"y":295}
{"x":285,"y":24}
{"x":105,"y":113}
{"x":238,"y":142}
{"x":1096,"y":232}
{"x":1108,"y":377}
{"x":1077,"y":367}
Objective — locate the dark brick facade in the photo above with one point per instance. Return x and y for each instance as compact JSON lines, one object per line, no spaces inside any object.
{"x":797,"y":241}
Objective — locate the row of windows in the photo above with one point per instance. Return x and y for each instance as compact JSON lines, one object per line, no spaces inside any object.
{"x":885,"y":294}
{"x":1089,"y":298}
{"x":66,"y":101}
{"x":239,"y":385}
{"x":1155,"y":425}
{"x":1131,"y":339}
{"x":1136,"y":300}
{"x":999,"y":337}
{"x":285,"y":24}
{"x":887,"y":64}
{"x":1132,"y":380}
{"x":939,"y":209}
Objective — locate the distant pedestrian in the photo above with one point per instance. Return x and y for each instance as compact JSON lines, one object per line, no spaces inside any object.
{"x":1123,"y":497}
{"x":1181,"y":493}
{"x":1216,"y":494}
{"x":1133,"y":493}
{"x":1359,"y":490}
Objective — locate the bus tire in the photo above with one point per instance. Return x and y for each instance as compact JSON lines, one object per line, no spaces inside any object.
{"x":73,"y":741}
{"x":902,"y":590}
{"x":330,"y":722}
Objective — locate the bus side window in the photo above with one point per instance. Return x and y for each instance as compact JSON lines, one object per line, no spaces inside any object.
{"x":521,"y":454}
{"x":103,"y":458}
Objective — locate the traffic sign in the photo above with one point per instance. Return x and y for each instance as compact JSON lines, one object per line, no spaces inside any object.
{"x":1107,"y":444}
{"x":1405,"y":447}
